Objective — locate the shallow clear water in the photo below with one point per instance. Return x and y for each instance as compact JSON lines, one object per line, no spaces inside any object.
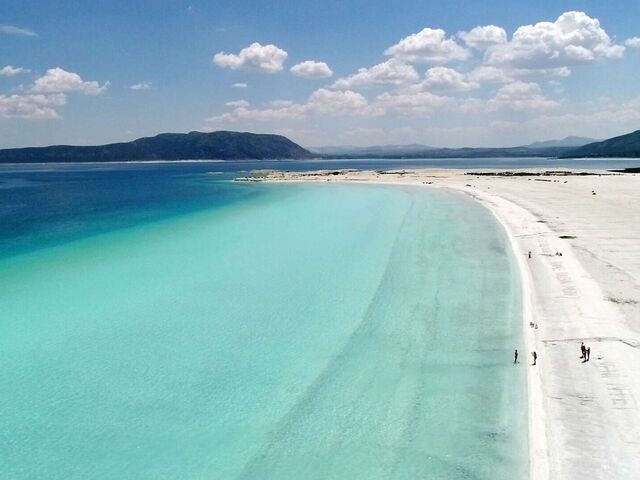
{"x":257,"y":331}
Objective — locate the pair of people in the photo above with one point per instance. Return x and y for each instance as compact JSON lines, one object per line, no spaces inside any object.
{"x":585,"y":352}
{"x":515,"y":357}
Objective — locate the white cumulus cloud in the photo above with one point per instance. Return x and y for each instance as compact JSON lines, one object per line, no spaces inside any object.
{"x":280,"y":103}
{"x":57,"y":80}
{"x":521,"y":96}
{"x":10,"y":71}
{"x":447,"y":79}
{"x":487,"y":74}
{"x":428,"y":46}
{"x":410,"y":103}
{"x":141,"y":86}
{"x":336,"y":102}
{"x":521,"y":74}
{"x":256,"y":57}
{"x":239,"y":85}
{"x":48,"y":92}
{"x":484,"y":37}
{"x":573,"y":39}
{"x":13,"y":30}
{"x":633,"y":42}
{"x":237,"y":104}
{"x":312,"y":69}
{"x":320,"y":102}
{"x":391,"y":72}
{"x":31,"y":106}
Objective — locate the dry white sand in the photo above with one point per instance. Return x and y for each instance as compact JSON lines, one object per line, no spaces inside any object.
{"x":584,"y":418}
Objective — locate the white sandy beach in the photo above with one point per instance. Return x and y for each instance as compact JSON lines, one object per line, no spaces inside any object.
{"x":584,"y":418}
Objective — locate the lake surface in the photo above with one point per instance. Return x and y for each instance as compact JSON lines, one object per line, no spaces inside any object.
{"x":160,"y":322}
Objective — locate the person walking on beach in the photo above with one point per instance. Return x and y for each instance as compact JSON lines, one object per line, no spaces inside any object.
{"x":529,"y":253}
{"x":535,"y":357}
{"x":583,"y":350}
{"x":588,"y":354}
{"x":515,"y":356}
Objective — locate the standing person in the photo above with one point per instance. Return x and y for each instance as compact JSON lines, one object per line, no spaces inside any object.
{"x":515,"y":356}
{"x":535,"y":357}
{"x":583,"y":349}
{"x":529,"y":253}
{"x":588,"y":353}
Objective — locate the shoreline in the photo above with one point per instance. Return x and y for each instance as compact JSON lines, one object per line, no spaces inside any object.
{"x":582,"y":417}
{"x":537,"y":437}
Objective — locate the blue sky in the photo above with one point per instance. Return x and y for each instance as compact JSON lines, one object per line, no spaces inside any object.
{"x":455,"y":73}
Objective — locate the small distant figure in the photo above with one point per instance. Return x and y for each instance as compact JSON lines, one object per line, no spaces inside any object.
{"x":588,"y":353}
{"x":558,"y":254}
{"x":529,"y":253}
{"x":515,"y":356}
{"x":583,"y":351}
{"x":535,"y":357}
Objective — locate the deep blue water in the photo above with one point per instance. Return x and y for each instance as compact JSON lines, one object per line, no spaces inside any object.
{"x":42,"y":205}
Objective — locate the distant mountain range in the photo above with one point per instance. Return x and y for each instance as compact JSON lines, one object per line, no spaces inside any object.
{"x":372,"y":150}
{"x":250,"y":146}
{"x":468,"y":152}
{"x":167,"y":146}
{"x":418,"y":150}
{"x":431,"y":152}
{"x":625,"y":146}
{"x":571,"y":141}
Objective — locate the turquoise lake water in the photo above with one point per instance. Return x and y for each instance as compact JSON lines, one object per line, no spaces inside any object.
{"x":261,"y":332}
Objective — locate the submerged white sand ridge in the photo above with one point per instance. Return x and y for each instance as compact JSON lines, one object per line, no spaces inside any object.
{"x":581,"y":284}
